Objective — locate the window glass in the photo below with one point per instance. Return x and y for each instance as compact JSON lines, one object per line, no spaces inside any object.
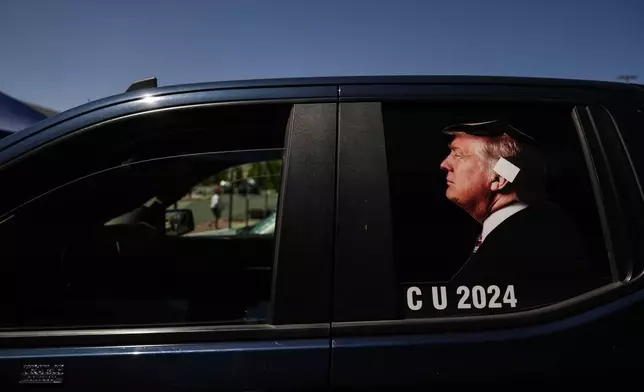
{"x":238,"y":201}
{"x":492,"y":208}
{"x":159,"y":239}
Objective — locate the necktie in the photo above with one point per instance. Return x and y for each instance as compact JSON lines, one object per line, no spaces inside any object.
{"x":479,"y":241}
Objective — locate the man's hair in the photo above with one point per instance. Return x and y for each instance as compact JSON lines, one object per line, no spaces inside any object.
{"x":490,"y":149}
{"x":494,"y":148}
{"x":530,"y":183}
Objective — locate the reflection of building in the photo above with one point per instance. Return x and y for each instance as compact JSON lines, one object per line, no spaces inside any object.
{"x":16,"y":115}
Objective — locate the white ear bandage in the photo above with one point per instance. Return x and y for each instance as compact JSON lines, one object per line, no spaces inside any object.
{"x":506,"y":169}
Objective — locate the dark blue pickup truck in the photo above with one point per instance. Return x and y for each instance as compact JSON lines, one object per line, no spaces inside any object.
{"x":428,"y":232}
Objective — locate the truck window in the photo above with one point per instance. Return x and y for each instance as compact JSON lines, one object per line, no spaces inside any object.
{"x":159,"y":237}
{"x":492,"y":208}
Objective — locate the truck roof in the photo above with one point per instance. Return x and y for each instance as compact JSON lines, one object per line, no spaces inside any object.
{"x":316,"y":81}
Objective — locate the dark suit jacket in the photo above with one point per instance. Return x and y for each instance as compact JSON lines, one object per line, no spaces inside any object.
{"x":540,"y":251}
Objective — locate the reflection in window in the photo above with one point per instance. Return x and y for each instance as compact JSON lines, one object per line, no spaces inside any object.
{"x":137,"y":244}
{"x":240,"y":200}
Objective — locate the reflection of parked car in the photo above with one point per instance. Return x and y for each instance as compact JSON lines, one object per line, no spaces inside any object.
{"x":264,"y":227}
{"x":248,"y":185}
{"x":241,"y":186}
{"x":226,"y":186}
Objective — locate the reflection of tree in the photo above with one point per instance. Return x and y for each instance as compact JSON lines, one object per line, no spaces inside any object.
{"x":212,"y":180}
{"x":238,"y":173}
{"x":266,"y":173}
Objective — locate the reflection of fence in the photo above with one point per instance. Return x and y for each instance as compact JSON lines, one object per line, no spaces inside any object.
{"x":269,"y":170}
{"x":251,"y":186}
{"x":257,"y":204}
{"x":200,"y":207}
{"x":243,"y":197}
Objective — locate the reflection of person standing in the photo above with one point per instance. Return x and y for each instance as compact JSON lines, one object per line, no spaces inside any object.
{"x":215,"y":206}
{"x":496,"y":174}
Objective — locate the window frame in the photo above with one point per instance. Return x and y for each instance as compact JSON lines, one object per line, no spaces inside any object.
{"x":620,"y":118}
{"x":385,"y":319}
{"x":308,"y":262}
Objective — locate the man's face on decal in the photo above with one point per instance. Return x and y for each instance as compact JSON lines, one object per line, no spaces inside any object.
{"x":468,"y":177}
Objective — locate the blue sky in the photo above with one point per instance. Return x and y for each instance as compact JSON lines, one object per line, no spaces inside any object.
{"x":60,"y":53}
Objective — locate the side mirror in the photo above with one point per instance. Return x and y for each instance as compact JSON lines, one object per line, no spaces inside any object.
{"x":179,"y":222}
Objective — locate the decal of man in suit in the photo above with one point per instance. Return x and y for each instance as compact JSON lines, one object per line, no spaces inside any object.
{"x":496,"y":174}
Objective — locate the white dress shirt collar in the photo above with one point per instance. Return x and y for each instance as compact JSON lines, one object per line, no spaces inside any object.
{"x":499,"y":216}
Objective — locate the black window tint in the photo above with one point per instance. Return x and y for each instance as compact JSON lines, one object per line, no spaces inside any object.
{"x":139,"y":137}
{"x":543,"y":240}
{"x":137,"y":243}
